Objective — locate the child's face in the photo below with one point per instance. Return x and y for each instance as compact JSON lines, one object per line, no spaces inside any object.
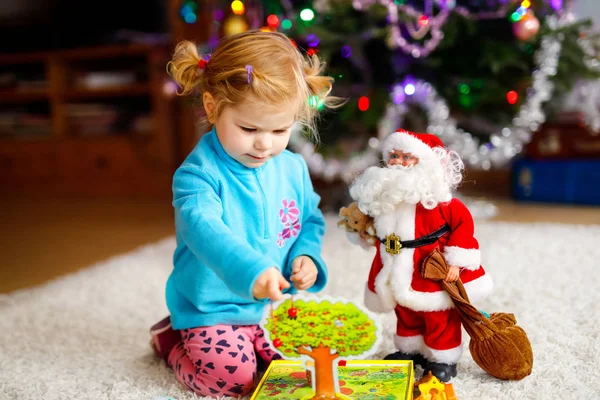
{"x":253,"y":132}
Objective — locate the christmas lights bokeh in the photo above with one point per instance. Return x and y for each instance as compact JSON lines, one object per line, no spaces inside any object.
{"x":418,"y":33}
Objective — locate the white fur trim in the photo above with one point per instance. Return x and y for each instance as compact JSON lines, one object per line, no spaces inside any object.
{"x":480,"y":288}
{"x":409,"y":344}
{"x":393,"y":284}
{"x":354,"y":238}
{"x":374,"y":303}
{"x":407,"y":143}
{"x":464,"y":258}
{"x":450,"y":356}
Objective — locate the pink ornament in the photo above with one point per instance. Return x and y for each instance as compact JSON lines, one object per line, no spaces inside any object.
{"x":527,"y":27}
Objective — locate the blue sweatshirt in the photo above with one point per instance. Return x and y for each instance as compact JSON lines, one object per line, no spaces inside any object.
{"x":232,"y":223}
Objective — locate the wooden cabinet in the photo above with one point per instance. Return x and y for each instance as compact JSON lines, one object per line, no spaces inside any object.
{"x":88,"y":121}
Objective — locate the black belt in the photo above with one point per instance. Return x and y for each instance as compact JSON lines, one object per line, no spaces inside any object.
{"x":393,"y":244}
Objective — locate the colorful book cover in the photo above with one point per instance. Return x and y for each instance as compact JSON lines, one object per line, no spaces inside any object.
{"x":358,"y":379}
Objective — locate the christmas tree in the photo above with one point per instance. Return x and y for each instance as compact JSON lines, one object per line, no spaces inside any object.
{"x":481,"y":74}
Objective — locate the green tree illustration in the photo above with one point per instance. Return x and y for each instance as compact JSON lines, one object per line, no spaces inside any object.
{"x":324,"y":331}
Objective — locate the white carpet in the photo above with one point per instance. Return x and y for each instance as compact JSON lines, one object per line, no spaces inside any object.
{"x":85,"y":336}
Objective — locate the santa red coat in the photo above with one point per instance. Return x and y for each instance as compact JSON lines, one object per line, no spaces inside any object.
{"x":396,"y":279}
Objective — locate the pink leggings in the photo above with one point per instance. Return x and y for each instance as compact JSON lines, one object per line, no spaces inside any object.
{"x":220,"y":360}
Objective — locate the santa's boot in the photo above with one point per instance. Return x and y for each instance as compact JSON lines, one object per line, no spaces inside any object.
{"x":444,"y":372}
{"x":416,"y":358}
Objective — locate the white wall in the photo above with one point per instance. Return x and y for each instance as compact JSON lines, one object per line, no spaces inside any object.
{"x":588,"y":9}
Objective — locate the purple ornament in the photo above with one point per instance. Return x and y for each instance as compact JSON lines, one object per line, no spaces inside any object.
{"x":346,"y":51}
{"x":556,"y":4}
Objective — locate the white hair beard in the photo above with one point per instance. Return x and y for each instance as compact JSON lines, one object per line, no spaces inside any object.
{"x":429,"y":182}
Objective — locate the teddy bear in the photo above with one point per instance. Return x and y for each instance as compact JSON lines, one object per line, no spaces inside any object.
{"x":358,"y":225}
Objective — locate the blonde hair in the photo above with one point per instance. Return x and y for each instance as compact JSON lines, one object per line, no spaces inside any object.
{"x":280,"y":74}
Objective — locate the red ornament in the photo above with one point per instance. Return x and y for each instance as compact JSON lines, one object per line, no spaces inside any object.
{"x":512,"y":97}
{"x":527,"y":27}
{"x":363,"y":103}
{"x":277,"y":343}
{"x":423,"y":20}
{"x":273,"y":21}
{"x":202,"y":64}
{"x":311,"y":52}
{"x":293,"y":312}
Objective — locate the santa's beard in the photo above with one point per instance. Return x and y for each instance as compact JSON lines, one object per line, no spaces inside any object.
{"x":381,"y":190}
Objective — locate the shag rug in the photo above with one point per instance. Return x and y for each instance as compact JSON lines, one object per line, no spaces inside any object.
{"x":85,"y":336}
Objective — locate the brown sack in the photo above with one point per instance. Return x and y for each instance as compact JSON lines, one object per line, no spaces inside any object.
{"x":498,"y":345}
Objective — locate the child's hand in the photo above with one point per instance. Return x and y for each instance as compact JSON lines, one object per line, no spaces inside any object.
{"x":453,"y":274}
{"x":304,"y":272}
{"x":270,"y":284}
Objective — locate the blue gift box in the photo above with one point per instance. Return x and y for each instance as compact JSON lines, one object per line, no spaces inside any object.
{"x":558,"y":181}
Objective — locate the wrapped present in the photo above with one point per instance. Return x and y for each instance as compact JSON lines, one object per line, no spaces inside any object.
{"x":557,"y":181}
{"x":563,"y":140}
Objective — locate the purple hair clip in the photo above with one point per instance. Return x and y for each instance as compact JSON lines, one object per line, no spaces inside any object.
{"x":249,"y":69}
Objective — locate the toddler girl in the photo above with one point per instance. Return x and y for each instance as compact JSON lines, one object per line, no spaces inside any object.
{"x":248,"y":226}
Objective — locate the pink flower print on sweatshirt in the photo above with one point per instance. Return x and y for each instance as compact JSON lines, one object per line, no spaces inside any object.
{"x":289,"y":213}
{"x":290,"y":217}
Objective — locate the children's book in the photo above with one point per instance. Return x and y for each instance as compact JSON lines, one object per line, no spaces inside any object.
{"x":357,"y":379}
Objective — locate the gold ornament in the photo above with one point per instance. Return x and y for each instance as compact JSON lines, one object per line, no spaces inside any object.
{"x":235,"y":24}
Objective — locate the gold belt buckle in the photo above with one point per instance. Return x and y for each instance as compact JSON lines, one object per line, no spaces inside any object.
{"x":393,"y":244}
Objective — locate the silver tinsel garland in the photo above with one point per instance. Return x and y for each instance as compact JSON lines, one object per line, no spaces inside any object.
{"x":590,"y":91}
{"x":502,"y":146}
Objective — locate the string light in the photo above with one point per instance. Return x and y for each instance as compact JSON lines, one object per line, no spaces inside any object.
{"x":286,"y":24}
{"x":307,"y":15}
{"x":188,"y":11}
{"x":363,"y":103}
{"x":409,"y":89}
{"x":238,"y":7}
{"x":521,"y":11}
{"x":465,"y":100}
{"x":316,"y":102}
{"x":312,"y":40}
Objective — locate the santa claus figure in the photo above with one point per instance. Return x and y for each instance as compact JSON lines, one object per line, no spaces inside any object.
{"x":414,"y":212}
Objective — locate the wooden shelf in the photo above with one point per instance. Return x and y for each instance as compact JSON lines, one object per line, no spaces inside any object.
{"x":9,"y":139}
{"x":140,"y":89}
{"x":124,"y":162}
{"x":23,"y":96}
{"x":77,"y":54}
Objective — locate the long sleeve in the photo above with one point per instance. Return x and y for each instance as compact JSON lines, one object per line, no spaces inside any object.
{"x":309,"y":241}
{"x":462,"y":249}
{"x":198,"y":214}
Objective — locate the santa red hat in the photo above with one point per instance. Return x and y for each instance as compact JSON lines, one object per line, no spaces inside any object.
{"x":420,"y":145}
